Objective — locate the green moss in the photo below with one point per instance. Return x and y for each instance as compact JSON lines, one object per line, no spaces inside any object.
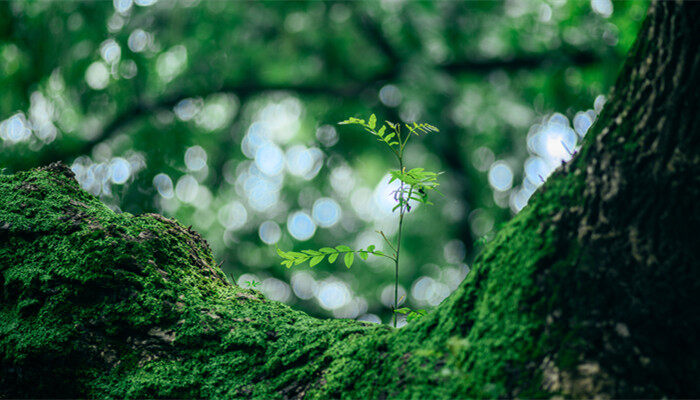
{"x":143,"y":296}
{"x":99,"y":304}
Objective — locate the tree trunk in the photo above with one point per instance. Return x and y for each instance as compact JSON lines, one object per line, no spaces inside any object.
{"x":588,"y":291}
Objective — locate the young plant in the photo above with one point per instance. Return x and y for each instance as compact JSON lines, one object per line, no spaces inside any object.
{"x":414,"y":186}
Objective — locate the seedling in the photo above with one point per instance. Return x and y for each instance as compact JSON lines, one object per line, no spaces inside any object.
{"x":252,"y":284}
{"x":415,"y":186}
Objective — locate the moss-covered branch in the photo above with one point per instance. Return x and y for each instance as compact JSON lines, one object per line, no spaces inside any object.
{"x":590,"y":290}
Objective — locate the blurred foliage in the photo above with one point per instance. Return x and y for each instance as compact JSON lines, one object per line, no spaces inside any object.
{"x":222,"y":115}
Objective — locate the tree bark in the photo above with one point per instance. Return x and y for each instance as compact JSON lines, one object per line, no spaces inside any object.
{"x":588,"y":291}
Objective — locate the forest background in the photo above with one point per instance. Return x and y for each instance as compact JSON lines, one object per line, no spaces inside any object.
{"x":223,"y":115}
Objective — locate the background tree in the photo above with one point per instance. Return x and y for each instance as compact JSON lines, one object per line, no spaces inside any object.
{"x":222,"y":115}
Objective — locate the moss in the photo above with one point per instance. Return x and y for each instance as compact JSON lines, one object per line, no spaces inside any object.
{"x":135,"y":306}
{"x":115,"y":305}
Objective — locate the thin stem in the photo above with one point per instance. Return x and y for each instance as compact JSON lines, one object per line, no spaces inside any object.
{"x":387,"y":241}
{"x":398,"y":249}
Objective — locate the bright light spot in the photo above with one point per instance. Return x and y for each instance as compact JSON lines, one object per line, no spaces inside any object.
{"x":270,"y":232}
{"x":304,"y":285}
{"x":164,"y":185}
{"x":296,"y":22}
{"x":317,"y":157}
{"x":97,"y":178}
{"x":387,"y":296}
{"x":232,"y":216}
{"x":116,"y":22}
{"x":255,"y":138}
{"x":342,"y":179}
{"x":545,"y":13}
{"x":195,"y":158}
{"x":269,"y":159}
{"x":420,"y":288}
{"x":128,"y":69}
{"x":327,"y":135}
{"x":245,"y":278}
{"x":122,"y":6}
{"x":262,"y":191}
{"x":172,"y":63}
{"x":299,"y":160}
{"x":145,"y":3}
{"x":373,"y":318}
{"x":42,"y":113}
{"x":598,"y":103}
{"x":383,"y":202}
{"x":602,"y":7}
{"x":390,"y":95}
{"x":275,"y":289}
{"x":352,"y":309}
{"x":300,"y":225}
{"x":554,"y":141}
{"x":501,"y":176}
{"x":110,"y":51}
{"x":120,"y":170}
{"x":426,"y":290}
{"x":326,"y":212}
{"x":139,"y":40}
{"x":15,"y":129}
{"x":582,"y":122}
{"x":187,"y":109}
{"x":455,"y":251}
{"x":333,"y":295}
{"x":97,"y":75}
{"x":537,"y":170}
{"x":361,"y":201}
{"x":186,"y":188}
{"x":218,"y":112}
{"x":282,"y":119}
{"x":559,"y":144}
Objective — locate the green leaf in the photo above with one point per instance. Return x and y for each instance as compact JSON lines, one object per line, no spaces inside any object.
{"x":299,"y":261}
{"x":311,"y":252}
{"x":316,"y":260}
{"x":363,"y":255}
{"x":381,"y":131}
{"x":349,"y":258}
{"x":332,"y":257}
{"x":403,"y":310}
{"x":282,"y":253}
{"x":343,"y":247}
{"x":326,"y":250}
{"x":371,"y":248}
{"x":352,"y":120}
{"x":372,"y":121}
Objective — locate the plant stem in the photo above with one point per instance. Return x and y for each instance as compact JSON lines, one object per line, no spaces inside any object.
{"x":398,"y":248}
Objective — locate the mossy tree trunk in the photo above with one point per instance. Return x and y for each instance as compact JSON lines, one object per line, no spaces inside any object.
{"x":592,"y":289}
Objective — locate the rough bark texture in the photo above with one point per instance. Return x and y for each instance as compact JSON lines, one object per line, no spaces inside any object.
{"x":591,"y":290}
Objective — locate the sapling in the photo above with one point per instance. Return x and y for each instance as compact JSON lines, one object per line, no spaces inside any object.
{"x":414,"y":186}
